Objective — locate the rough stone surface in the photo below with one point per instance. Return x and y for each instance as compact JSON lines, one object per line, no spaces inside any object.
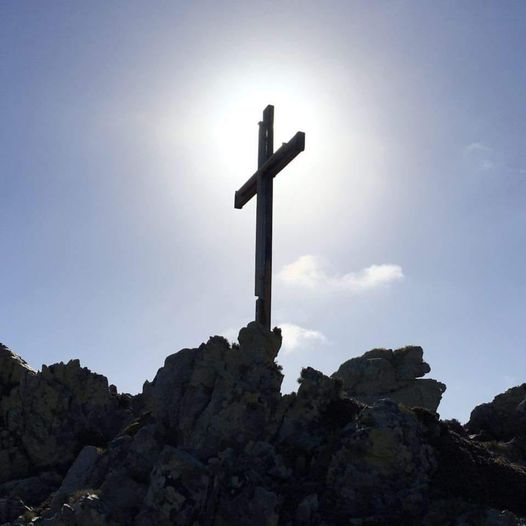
{"x":502,"y":419}
{"x":79,"y":475}
{"x":384,"y":373}
{"x":10,"y":509}
{"x":47,"y":417}
{"x":212,"y":442}
{"x":12,"y":370}
{"x":501,"y":424}
{"x":216,"y":396}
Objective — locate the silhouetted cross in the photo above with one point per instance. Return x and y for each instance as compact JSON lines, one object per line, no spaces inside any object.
{"x":269,"y":165}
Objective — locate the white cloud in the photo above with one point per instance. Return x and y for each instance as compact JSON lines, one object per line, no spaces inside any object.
{"x":295,"y":337}
{"x":311,"y":272}
{"x":481,"y":154}
{"x":477,"y":147}
{"x":486,"y":159}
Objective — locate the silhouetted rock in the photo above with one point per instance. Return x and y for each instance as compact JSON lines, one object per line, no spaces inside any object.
{"x":212,"y":442}
{"x":12,"y":370}
{"x":502,"y":419}
{"x":383,"y":373}
{"x":216,"y":396}
{"x":11,"y":508}
{"x":501,"y":424}
{"x":47,"y":417}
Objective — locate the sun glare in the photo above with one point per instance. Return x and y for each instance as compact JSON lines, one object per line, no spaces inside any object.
{"x":217,"y":134}
{"x":234,"y":127}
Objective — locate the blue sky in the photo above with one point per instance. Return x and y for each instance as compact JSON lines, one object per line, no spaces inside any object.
{"x":127,"y":127}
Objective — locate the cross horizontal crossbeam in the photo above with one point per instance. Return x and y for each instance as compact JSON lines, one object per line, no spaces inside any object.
{"x":283,"y":156}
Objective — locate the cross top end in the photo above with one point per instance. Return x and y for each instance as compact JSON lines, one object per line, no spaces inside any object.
{"x":275,"y":162}
{"x":268,"y":115}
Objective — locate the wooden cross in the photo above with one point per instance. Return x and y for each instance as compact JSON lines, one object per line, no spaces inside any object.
{"x":269,"y":165}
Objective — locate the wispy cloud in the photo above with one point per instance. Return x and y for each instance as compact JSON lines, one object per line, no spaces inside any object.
{"x":312,"y":273}
{"x":296,"y":337}
{"x":481,"y":155}
{"x":486,"y":159}
{"x":477,"y":147}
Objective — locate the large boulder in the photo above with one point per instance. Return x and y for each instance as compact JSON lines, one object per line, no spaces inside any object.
{"x":469,"y":470}
{"x":218,"y":396}
{"x":502,"y":419}
{"x":384,"y":373}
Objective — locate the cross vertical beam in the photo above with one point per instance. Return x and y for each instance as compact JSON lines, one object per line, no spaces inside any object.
{"x":270,"y":163}
{"x":263,"y":284}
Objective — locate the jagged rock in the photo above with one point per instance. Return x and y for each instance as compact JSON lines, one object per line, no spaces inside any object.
{"x":245,"y":482}
{"x":12,"y":370}
{"x":502,"y":419}
{"x":178,"y":489}
{"x":216,"y":396}
{"x":383,"y":466}
{"x":142,"y":453}
{"x":319,"y":405}
{"x":87,"y":510}
{"x":10,"y":509}
{"x":122,"y":496}
{"x":79,"y":475}
{"x":470,"y":470}
{"x":13,"y":460}
{"x":50,"y":415}
{"x":32,"y":490}
{"x":383,"y":373}
{"x":212,"y":442}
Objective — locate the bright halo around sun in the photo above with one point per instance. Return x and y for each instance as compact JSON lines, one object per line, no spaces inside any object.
{"x":215,"y":131}
{"x":235,"y":107}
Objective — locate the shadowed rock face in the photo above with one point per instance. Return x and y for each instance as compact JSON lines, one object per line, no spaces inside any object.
{"x":47,"y":417}
{"x":502,"y":419}
{"x":501,"y":424}
{"x":383,"y":373}
{"x":212,"y":442}
{"x":12,"y":370}
{"x":216,"y":396}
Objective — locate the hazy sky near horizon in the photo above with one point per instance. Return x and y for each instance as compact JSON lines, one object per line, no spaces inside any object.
{"x":128,"y":125}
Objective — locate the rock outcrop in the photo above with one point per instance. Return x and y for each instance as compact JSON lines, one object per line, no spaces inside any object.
{"x":501,"y":424}
{"x":502,"y":419}
{"x":215,"y":396}
{"x":212,"y":442}
{"x":384,"y":373}
{"x":12,"y":370}
{"x":47,"y":417}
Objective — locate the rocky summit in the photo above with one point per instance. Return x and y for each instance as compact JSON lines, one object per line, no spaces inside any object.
{"x":212,"y":442}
